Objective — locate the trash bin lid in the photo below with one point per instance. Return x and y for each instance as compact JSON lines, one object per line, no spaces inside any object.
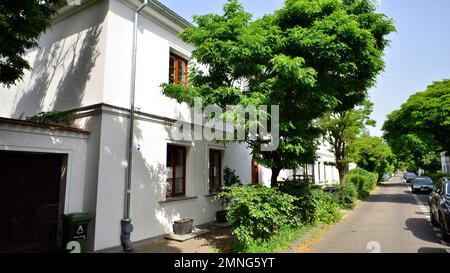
{"x":78,"y":217}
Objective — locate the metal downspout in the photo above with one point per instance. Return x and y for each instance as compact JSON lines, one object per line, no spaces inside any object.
{"x":126,"y":226}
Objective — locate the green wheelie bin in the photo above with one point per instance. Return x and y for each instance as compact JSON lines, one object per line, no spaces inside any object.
{"x":75,"y":226}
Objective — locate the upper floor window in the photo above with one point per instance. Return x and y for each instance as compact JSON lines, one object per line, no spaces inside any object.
{"x":178,"y":69}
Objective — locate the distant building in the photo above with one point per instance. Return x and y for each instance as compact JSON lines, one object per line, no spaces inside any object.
{"x":445,"y":163}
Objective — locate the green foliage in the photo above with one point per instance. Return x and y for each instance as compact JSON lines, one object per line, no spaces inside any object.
{"x":419,"y":130}
{"x":230,"y":178}
{"x":278,"y":242}
{"x":372,"y":154}
{"x":346,"y":195}
{"x":436,"y":176}
{"x":327,"y":209}
{"x":59,"y":118}
{"x":364,"y":181}
{"x":21,"y":23}
{"x":258,"y":212}
{"x":310,"y":57}
{"x":302,"y":190}
{"x":313,"y":205}
{"x":342,"y":128}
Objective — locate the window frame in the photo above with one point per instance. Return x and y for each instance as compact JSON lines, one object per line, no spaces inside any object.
{"x":210,"y":173}
{"x":172,"y":148}
{"x":178,"y":58}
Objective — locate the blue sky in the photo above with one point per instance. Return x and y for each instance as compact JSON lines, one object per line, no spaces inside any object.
{"x":418,"y":55}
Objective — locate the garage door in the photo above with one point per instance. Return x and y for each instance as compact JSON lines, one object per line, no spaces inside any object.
{"x":30,"y":201}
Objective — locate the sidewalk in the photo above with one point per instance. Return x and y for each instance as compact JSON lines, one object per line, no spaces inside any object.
{"x":218,"y":238}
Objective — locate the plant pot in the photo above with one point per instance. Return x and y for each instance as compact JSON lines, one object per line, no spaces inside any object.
{"x":183,"y":226}
{"x":221,"y":216}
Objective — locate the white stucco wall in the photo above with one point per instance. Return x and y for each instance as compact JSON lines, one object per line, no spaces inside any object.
{"x":150,"y":215}
{"x":155,"y":42}
{"x":445,"y":163}
{"x":67,"y":68}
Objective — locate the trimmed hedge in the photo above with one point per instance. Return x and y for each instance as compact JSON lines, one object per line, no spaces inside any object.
{"x":346,"y":195}
{"x":436,"y":176}
{"x":364,"y":181}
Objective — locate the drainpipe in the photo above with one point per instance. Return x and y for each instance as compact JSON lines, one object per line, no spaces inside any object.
{"x":126,"y":226}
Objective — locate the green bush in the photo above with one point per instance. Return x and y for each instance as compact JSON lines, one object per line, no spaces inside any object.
{"x":258,"y":212}
{"x":312,"y":203}
{"x":364,"y":181}
{"x":327,"y":210}
{"x":302,"y":190}
{"x":436,"y":176}
{"x":346,"y":195}
{"x":60,"y":118}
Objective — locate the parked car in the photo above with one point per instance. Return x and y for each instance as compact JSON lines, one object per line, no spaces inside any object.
{"x":409,"y":177}
{"x":422,"y":184}
{"x":439,"y":201}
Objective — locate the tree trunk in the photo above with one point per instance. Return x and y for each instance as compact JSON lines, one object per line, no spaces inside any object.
{"x":341,"y":170}
{"x":274,"y":178}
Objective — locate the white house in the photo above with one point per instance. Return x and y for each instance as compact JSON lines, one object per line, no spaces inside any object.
{"x":83,"y":65}
{"x":445,"y":163}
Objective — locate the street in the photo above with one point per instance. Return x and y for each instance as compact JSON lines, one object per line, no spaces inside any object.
{"x":391,"y":220}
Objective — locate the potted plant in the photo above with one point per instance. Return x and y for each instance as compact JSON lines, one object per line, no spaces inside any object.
{"x":230,"y":178}
{"x":183,"y":226}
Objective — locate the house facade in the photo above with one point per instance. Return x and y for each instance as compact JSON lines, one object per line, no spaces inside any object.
{"x":83,"y":66}
{"x":445,"y":163}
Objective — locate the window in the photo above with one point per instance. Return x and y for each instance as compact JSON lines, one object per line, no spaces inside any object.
{"x":178,"y":69}
{"x":176,"y":171}
{"x":215,"y":170}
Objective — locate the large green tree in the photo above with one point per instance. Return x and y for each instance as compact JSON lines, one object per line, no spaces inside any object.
{"x":21,"y":23}
{"x":372,"y":154}
{"x":342,"y":128}
{"x":310,"y":57}
{"x":420,"y":129}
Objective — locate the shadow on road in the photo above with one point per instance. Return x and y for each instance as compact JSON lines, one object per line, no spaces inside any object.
{"x":420,"y":228}
{"x":400,"y":198}
{"x":391,"y":184}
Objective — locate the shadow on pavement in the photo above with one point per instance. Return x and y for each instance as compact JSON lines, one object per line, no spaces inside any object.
{"x":421,"y":229}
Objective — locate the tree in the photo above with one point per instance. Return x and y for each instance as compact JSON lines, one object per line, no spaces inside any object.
{"x":372,"y":154}
{"x":342,"y":128}
{"x":419,"y":130}
{"x":309,"y":57}
{"x":21,"y":23}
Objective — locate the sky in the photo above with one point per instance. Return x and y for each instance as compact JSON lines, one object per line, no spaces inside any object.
{"x":419,"y":51}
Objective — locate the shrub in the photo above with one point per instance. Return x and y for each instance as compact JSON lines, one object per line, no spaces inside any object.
{"x":363,"y":180}
{"x":436,"y":176}
{"x":346,"y":195}
{"x":302,"y":190}
{"x":60,"y":118}
{"x":258,"y":212}
{"x":312,"y":203}
{"x":326,"y":208}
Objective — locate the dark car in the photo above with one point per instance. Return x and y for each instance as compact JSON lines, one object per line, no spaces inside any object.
{"x":409,"y":177}
{"x":439,"y":201}
{"x":422,"y":184}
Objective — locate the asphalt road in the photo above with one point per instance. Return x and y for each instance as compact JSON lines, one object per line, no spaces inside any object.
{"x":391,"y":220}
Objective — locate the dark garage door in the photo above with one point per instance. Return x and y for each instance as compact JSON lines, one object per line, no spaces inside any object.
{"x":29,"y":201}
